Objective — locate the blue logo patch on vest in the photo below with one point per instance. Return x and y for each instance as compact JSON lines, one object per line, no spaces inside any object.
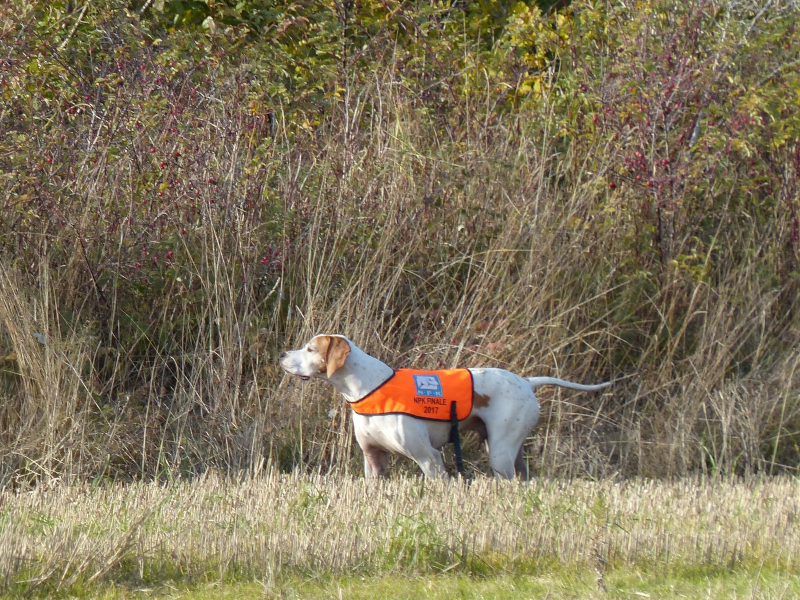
{"x":428,"y":385}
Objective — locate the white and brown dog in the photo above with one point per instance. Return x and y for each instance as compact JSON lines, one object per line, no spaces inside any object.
{"x":504,"y":408}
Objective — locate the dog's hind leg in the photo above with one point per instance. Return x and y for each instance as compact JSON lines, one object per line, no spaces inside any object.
{"x":502,"y":458}
{"x":520,"y":466}
{"x":508,"y":461}
{"x":506,"y":439}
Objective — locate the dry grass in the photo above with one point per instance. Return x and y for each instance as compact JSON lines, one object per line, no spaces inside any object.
{"x":58,"y":536}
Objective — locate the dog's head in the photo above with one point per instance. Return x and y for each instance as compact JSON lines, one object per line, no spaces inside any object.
{"x":322,"y":356}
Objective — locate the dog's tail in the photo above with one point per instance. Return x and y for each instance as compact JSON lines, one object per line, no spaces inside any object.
{"x":537,"y":382}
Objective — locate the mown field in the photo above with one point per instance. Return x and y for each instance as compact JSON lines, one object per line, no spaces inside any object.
{"x":587,"y":191}
{"x":316,"y":536}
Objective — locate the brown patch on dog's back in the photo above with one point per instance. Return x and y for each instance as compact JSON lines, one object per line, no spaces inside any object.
{"x":481,"y":400}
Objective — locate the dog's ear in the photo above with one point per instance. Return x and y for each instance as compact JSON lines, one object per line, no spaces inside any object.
{"x":338,"y":349}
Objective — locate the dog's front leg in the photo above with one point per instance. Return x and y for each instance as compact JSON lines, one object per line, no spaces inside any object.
{"x":412,"y":438}
{"x":431,"y":463}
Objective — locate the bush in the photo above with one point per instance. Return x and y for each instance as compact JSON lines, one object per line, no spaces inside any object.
{"x":585,"y":192}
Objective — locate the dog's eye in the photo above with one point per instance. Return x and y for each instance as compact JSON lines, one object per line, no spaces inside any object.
{"x":308,"y":349}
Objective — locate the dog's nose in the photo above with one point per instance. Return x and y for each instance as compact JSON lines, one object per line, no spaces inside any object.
{"x":282,"y":355}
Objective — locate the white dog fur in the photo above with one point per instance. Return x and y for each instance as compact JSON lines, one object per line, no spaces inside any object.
{"x":505,"y":408}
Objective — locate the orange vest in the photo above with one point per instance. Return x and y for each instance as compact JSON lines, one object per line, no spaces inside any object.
{"x":422,"y":394}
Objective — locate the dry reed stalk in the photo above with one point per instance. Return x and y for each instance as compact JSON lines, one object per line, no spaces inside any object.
{"x":43,"y":420}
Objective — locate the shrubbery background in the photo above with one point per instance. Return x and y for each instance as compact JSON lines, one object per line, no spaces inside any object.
{"x":595,"y":190}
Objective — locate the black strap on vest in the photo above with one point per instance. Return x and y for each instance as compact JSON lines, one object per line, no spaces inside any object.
{"x":454,"y":439}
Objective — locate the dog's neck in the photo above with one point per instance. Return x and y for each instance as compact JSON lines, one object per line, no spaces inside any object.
{"x":360,"y":374}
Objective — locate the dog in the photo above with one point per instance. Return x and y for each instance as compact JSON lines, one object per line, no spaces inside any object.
{"x":504,"y":408}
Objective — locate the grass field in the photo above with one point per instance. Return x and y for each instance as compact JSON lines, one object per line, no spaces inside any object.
{"x":551,"y":583}
{"x":585,"y":191}
{"x":309,"y":536}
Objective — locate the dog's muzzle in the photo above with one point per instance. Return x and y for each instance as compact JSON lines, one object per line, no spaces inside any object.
{"x":280,"y":361}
